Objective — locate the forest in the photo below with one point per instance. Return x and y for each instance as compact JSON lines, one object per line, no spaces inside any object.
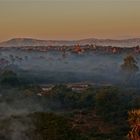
{"x":98,"y":112}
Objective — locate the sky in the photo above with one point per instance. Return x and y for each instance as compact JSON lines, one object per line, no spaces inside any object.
{"x":69,"y":19}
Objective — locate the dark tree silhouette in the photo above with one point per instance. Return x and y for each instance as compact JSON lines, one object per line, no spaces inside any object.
{"x":9,"y":78}
{"x":129,"y":69}
{"x":130,"y":65}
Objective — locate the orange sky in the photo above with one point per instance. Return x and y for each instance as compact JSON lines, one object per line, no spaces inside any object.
{"x":69,"y":19}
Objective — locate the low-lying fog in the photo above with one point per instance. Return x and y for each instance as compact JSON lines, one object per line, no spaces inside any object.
{"x":54,"y":66}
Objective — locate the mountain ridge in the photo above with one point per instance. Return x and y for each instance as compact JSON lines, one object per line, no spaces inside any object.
{"x":22,"y":42}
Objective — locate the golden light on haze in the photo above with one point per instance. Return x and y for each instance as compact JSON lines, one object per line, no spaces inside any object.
{"x":69,"y":19}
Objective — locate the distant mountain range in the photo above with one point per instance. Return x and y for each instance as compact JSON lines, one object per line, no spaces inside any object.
{"x":22,"y":42}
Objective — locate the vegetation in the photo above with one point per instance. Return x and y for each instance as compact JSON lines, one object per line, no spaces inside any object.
{"x":129,"y":70}
{"x":108,"y":103}
{"x":9,"y":78}
{"x":97,"y":113}
{"x":130,"y":65}
{"x":48,"y":126}
{"x":134,"y":121}
{"x":65,"y":98}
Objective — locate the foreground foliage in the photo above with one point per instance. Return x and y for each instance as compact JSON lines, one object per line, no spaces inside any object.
{"x":134,"y":121}
{"x":97,"y":113}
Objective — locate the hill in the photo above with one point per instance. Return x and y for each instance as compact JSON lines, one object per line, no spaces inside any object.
{"x":22,"y":42}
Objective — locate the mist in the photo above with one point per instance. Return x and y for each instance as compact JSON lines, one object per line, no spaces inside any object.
{"x":55,"y":67}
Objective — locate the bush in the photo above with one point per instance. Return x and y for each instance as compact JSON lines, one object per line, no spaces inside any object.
{"x":9,"y":78}
{"x":108,"y":103}
{"x":48,"y":126}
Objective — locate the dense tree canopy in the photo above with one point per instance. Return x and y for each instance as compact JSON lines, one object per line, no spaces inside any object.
{"x":130,"y":64}
{"x":9,"y":78}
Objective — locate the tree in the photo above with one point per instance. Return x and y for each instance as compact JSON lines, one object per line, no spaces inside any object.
{"x":9,"y":78}
{"x":108,"y":104}
{"x":129,"y":69}
{"x":130,"y":65}
{"x":134,"y":121}
{"x":48,"y":126}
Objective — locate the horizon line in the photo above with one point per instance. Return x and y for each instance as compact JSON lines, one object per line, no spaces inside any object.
{"x":43,"y":39}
